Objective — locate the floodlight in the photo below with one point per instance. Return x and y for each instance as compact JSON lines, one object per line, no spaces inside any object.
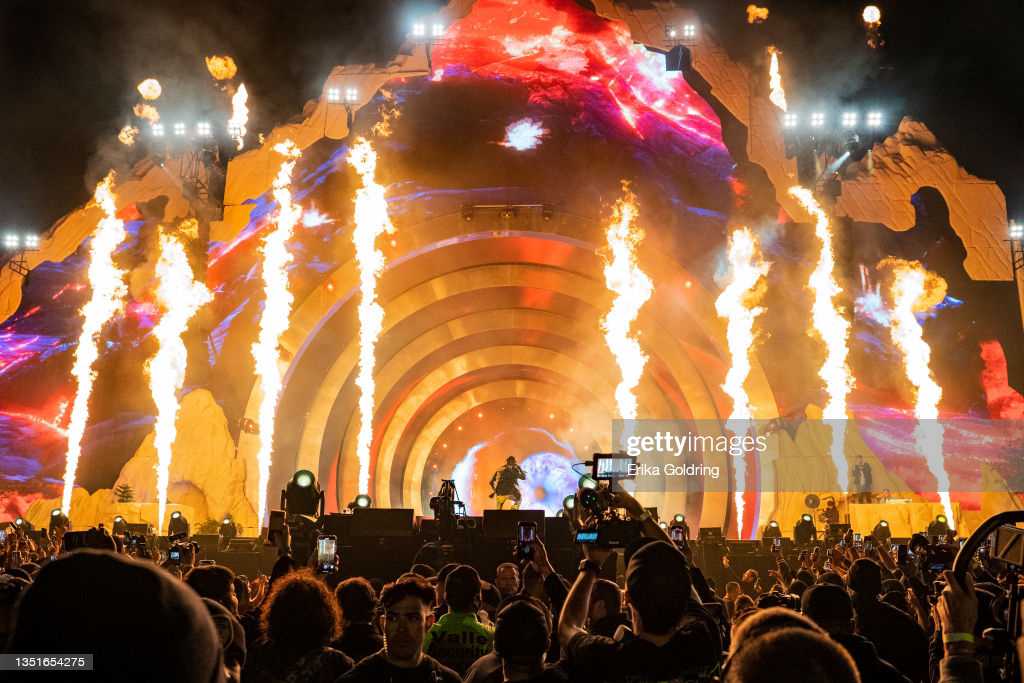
{"x":179,"y":128}
{"x":437,"y":30}
{"x":419,"y":29}
{"x":203,"y":129}
{"x":804,"y":531}
{"x":351,"y":95}
{"x":671,"y":32}
{"x":874,"y":119}
{"x":30,"y":241}
{"x":178,"y":525}
{"x":679,"y":519}
{"x":817,"y":119}
{"x":1016,"y":230}
{"x":790,"y":120}
{"x":363,"y":501}
{"x":228,"y":529}
{"x":882,"y":533}
{"x":302,"y":496}
{"x":569,"y":502}
{"x":587,"y":482}
{"x":849,"y":119}
{"x":58,"y":521}
{"x":157,"y":129}
{"x":663,"y":525}
{"x":11,"y":241}
{"x":334,"y":94}
{"x":772,"y":530}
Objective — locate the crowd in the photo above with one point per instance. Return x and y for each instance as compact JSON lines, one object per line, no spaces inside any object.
{"x":846,"y":615}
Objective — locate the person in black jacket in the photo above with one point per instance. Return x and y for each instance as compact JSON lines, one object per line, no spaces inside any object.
{"x":360,"y":637}
{"x":830,"y":608}
{"x":505,"y":484}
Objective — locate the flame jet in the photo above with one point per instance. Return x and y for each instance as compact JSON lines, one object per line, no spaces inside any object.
{"x":632,"y":288}
{"x":105,"y":301}
{"x":181,"y":297}
{"x":371,"y":214}
{"x":277,"y":308}
{"x":914,"y":289}
{"x":777,"y":93}
{"x":738,"y":304}
{"x":832,"y":327}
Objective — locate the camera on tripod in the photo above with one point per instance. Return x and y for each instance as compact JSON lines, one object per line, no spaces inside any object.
{"x":603,"y":523}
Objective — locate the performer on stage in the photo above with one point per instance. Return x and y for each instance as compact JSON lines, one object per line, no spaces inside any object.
{"x":862,"y":481}
{"x":505,"y":484}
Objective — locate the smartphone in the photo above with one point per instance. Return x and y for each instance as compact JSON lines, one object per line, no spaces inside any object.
{"x":842,"y":543}
{"x":857,"y":538}
{"x":3,"y":536}
{"x":326,"y":547}
{"x":526,"y":533}
{"x":677,"y":534}
{"x":868,"y":545}
{"x":828,"y":553}
{"x":901,"y":554}
{"x":777,"y":543}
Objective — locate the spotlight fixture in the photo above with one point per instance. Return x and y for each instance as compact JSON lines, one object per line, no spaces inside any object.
{"x":228,"y":529}
{"x":178,"y":525}
{"x":351,"y":95}
{"x":772,"y":530}
{"x":874,"y":119}
{"x":419,"y":29}
{"x":58,"y":520}
{"x":587,"y":482}
{"x":179,"y":129}
{"x":689,"y":31}
{"x":939,"y":527}
{"x":362,"y":501}
{"x":302,"y":496}
{"x":334,"y":95}
{"x":1016,"y":230}
{"x":203,"y":129}
{"x":157,"y":130}
{"x":790,"y":120}
{"x":849,"y":119}
{"x":120,"y":526}
{"x":569,"y":502}
{"x":671,"y":32}
{"x":679,"y":518}
{"x":817,"y":119}
{"x":804,"y":532}
{"x":663,"y":525}
{"x":882,"y":533}
{"x":19,"y":241}
{"x":437,"y":30}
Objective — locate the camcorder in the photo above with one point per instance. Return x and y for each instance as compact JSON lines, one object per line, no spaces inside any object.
{"x":603,"y":524}
{"x":93,"y":538}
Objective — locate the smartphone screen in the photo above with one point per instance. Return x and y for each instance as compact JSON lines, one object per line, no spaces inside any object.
{"x":3,"y":536}
{"x":326,"y":547}
{"x":777,"y":542}
{"x":174,"y":555}
{"x":676,"y":534}
{"x":527,"y":532}
{"x":857,"y":538}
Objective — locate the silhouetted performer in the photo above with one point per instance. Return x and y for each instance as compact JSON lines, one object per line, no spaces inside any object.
{"x":862,"y":481}
{"x":505,"y":484}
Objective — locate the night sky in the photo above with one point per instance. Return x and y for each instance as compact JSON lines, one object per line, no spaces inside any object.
{"x":68,"y":71}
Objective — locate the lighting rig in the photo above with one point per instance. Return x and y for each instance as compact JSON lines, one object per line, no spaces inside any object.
{"x":823,"y":141}
{"x":16,"y":243}
{"x":427,"y":31}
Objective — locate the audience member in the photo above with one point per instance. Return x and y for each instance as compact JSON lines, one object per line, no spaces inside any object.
{"x":360,"y":636}
{"x":458,"y":638}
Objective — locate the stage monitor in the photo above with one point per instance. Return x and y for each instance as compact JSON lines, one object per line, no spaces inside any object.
{"x":500,"y":524}
{"x":382,"y":522}
{"x":710,"y":535}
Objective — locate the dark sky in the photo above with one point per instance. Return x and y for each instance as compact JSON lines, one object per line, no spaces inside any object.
{"x":68,"y":70}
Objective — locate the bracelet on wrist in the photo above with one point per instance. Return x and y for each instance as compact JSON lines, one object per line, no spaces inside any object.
{"x":957,"y":638}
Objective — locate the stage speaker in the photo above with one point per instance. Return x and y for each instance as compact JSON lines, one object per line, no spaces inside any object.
{"x":208,"y":543}
{"x":503,"y":523}
{"x":558,"y":532}
{"x":336,"y":524}
{"x":382,"y":522}
{"x":744,"y":547}
{"x":710,"y":535}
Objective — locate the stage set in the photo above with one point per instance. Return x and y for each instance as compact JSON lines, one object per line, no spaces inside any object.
{"x":514,"y":234}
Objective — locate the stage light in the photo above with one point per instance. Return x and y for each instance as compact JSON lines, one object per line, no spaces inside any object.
{"x":15,"y":241}
{"x":30,"y":242}
{"x":178,"y":525}
{"x":1016,"y":230}
{"x":587,"y":482}
{"x":671,"y":32}
{"x":663,"y":525}
{"x":19,"y":522}
{"x":437,"y":30}
{"x":790,"y":120}
{"x":11,"y":241}
{"x":772,"y":530}
{"x":179,"y":128}
{"x":939,"y":527}
{"x":351,"y":95}
{"x":871,"y":14}
{"x":679,"y":519}
{"x":689,"y":31}
{"x":874,"y":119}
{"x":817,"y":119}
{"x":849,"y":119}
{"x":334,"y":95}
{"x":804,"y":531}
{"x":120,"y":526}
{"x":228,"y":529}
{"x":58,"y":521}
{"x":569,"y":502}
{"x":419,"y":29}
{"x":882,"y":533}
{"x":302,"y":496}
{"x":363,"y":501}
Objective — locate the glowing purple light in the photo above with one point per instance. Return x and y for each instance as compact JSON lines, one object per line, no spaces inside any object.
{"x":523,"y":134}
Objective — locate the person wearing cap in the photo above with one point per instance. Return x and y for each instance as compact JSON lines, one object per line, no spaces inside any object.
{"x":830,"y":608}
{"x":664,"y":643}
{"x":458,"y":638}
{"x":232,"y":639}
{"x":137,"y":622}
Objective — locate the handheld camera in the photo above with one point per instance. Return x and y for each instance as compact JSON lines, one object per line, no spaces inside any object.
{"x":603,"y":523}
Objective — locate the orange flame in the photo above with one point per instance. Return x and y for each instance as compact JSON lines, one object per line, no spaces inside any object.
{"x":150,"y":89}
{"x":389,"y":111}
{"x":912,"y":289}
{"x":221,"y":67}
{"x":276,"y":312}
{"x":107,"y":299}
{"x":127,"y":135}
{"x":371,"y":214}
{"x":777,"y":94}
{"x":738,"y":304}
{"x":147,"y":112}
{"x":239,"y":115}
{"x":632,"y":289}
{"x":832,"y":327}
{"x":181,"y":297}
{"x":755,"y":14}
